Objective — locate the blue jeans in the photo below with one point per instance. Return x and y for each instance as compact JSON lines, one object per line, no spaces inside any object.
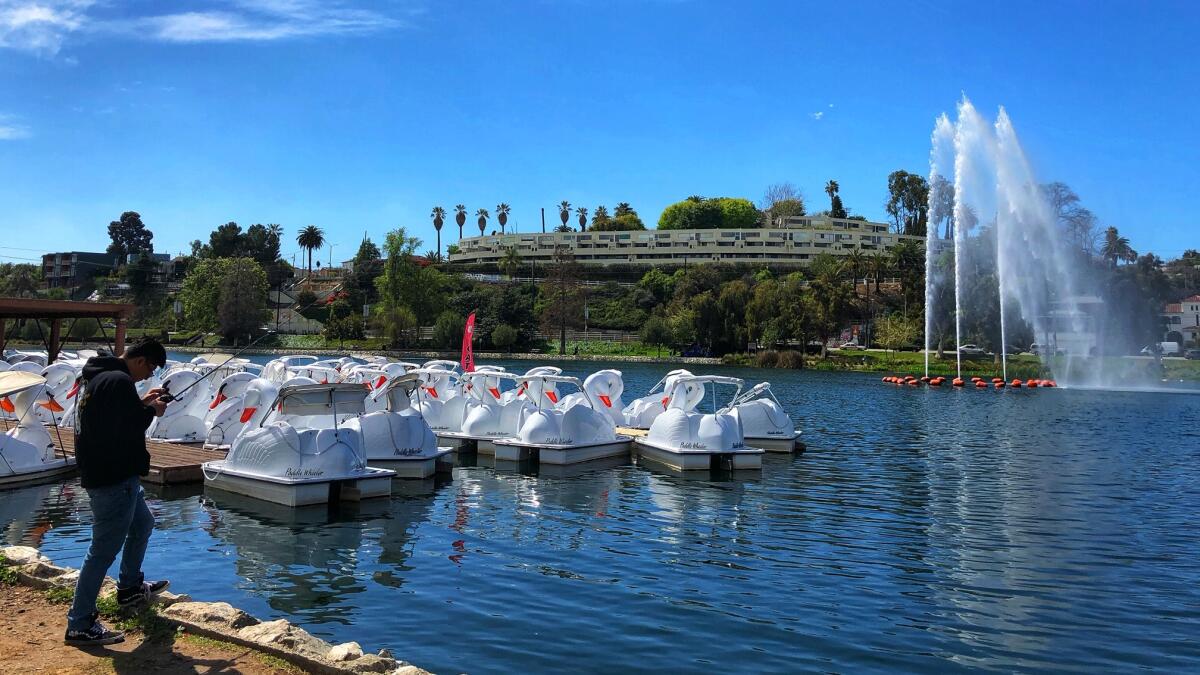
{"x":120,"y":520}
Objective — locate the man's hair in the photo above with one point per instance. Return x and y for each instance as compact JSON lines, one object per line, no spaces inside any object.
{"x":150,"y":350}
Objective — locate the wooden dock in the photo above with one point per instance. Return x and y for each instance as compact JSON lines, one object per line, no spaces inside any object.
{"x":170,"y":463}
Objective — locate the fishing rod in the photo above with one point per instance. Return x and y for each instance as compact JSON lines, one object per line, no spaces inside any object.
{"x":168,"y":397}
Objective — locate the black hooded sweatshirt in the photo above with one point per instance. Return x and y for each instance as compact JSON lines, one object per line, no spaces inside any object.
{"x":111,"y":423}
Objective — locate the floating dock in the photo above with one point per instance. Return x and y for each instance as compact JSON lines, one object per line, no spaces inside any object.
{"x":170,"y":463}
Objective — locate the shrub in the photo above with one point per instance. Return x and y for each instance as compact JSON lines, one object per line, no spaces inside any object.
{"x":504,"y":337}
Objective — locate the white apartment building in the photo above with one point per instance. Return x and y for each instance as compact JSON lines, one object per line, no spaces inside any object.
{"x":1184,"y":317}
{"x":796,"y":242}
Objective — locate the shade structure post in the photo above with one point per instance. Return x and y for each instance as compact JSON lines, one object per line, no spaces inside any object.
{"x":55,"y":340}
{"x":119,"y":337}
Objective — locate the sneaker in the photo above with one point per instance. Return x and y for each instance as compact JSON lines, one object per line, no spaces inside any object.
{"x":143,"y":592}
{"x":95,"y":636}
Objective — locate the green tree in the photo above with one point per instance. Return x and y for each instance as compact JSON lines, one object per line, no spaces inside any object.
{"x":129,"y":235}
{"x":600,"y":217}
{"x":908,"y":202}
{"x":894,"y":332}
{"x":737,"y":213}
{"x":504,"y":337}
{"x":448,"y":329}
{"x":242,"y":303}
{"x":831,"y":298}
{"x":460,"y":217}
{"x":624,"y":209}
{"x":1116,"y":248}
{"x":82,"y":329}
{"x":439,"y":217}
{"x":310,"y":239}
{"x":657,"y":332}
{"x":563,"y":300}
{"x":481,"y":219}
{"x":226,"y":241}
{"x":510,"y":264}
{"x":502,"y":211}
{"x":564,"y":211}
{"x":780,"y":202}
{"x":261,"y":242}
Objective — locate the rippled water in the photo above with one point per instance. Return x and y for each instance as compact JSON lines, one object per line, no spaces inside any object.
{"x":922,"y":530}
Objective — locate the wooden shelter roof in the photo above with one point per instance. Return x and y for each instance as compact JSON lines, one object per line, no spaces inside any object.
{"x":34,"y":308}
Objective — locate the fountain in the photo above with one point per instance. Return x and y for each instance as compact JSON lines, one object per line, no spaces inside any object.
{"x":1010,"y":255}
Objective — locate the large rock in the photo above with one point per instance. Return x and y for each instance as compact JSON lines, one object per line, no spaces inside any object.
{"x":22,"y":555}
{"x":218,"y":616}
{"x":345,"y":652}
{"x":283,"y":635}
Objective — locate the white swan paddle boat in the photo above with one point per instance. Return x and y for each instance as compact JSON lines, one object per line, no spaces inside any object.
{"x":486,"y":416}
{"x":640,"y":412}
{"x":27,"y":453}
{"x":764,"y":423}
{"x":279,"y":463}
{"x":687,"y":440}
{"x":560,"y":434}
{"x":397,"y":437}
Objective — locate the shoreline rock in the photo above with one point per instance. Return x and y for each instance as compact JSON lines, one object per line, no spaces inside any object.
{"x":222,"y":621}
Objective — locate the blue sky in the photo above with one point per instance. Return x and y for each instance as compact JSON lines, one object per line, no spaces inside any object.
{"x":360,"y":116}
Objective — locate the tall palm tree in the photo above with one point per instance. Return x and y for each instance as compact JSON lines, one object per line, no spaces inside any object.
{"x":510,"y":263}
{"x":831,"y":189}
{"x":439,"y":217}
{"x":564,"y":211}
{"x":482,"y":218}
{"x":582,"y":213}
{"x":310,"y":239}
{"x":502,"y":210}
{"x":460,"y":217}
{"x":1116,"y":248}
{"x":623,"y":209}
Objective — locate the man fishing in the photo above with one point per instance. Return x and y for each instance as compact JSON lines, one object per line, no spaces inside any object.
{"x":110,"y":450}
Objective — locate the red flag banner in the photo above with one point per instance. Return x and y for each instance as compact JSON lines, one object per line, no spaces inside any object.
{"x":468,"y":355}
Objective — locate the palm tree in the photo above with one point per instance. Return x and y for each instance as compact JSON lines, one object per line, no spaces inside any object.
{"x":1116,"y":248}
{"x":502,"y":210}
{"x":600,"y":215}
{"x":510,"y":263}
{"x":582,"y":213}
{"x":564,"y":211}
{"x":310,"y":239}
{"x":460,"y":217}
{"x":831,"y":189}
{"x":439,"y":217}
{"x":433,"y":256}
{"x":482,"y":217}
{"x":623,"y":209}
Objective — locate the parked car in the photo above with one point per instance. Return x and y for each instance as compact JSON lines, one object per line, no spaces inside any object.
{"x":1164,"y":348}
{"x":972,"y":350}
{"x":1192,"y":354}
{"x":850,"y":345}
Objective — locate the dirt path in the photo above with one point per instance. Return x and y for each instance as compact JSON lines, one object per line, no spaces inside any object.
{"x":31,"y":634}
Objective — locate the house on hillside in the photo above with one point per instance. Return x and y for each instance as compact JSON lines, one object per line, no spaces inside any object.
{"x":1182,"y":320}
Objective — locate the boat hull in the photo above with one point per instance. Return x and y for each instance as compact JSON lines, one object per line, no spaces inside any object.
{"x":773,"y":444}
{"x":421,"y":467}
{"x":513,"y":450}
{"x":484,"y":445}
{"x":737,"y":460}
{"x":48,"y":471}
{"x":377,"y":483}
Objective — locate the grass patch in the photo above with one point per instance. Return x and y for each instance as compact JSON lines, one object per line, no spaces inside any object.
{"x":1019,"y":366}
{"x":8,"y":575}
{"x":60,"y":595}
{"x":277,"y":663}
{"x":146,"y":619}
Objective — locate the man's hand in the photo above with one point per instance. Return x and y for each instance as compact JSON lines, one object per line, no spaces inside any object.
{"x":151,"y":399}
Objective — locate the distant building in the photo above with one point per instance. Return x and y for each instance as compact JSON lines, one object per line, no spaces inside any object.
{"x":795,"y":241}
{"x":1183,"y":317}
{"x":75,"y":268}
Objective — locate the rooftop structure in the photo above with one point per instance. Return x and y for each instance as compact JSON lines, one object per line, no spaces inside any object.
{"x":795,"y":241}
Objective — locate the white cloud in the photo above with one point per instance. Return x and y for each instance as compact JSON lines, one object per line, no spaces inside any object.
{"x":40,"y":26}
{"x":817,"y":115}
{"x":43,"y":27}
{"x":10,"y":130}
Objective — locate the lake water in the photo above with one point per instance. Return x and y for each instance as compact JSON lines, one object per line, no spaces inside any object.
{"x":922,"y":530}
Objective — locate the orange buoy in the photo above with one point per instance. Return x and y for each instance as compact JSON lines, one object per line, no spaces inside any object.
{"x":1049,"y":383}
{"x":1016,"y":384}
{"x":998,"y":385}
{"x":1032,"y":384}
{"x":884,"y":378}
{"x":935,"y":382}
{"x":997,"y":379}
{"x":957,"y":382}
{"x":980,"y":384}
{"x":925,"y":378}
